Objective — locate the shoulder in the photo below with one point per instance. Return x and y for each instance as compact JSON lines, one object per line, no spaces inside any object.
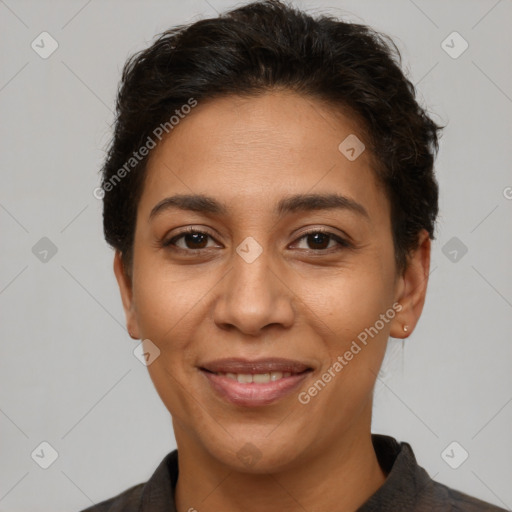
{"x":155,"y":494}
{"x":126,"y":501}
{"x":453,"y":500}
{"x":408,"y":487}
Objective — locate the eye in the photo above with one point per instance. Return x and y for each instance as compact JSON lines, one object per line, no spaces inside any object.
{"x":320,"y":240}
{"x":193,"y":239}
{"x":317,"y":240}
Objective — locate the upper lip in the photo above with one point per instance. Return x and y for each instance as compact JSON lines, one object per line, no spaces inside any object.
{"x":246,"y":366}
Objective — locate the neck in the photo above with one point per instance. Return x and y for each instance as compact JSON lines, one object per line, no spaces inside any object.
{"x":340,"y":476}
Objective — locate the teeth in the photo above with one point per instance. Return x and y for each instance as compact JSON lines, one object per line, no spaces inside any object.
{"x":260,"y":378}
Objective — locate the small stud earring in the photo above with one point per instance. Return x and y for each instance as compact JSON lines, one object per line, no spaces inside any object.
{"x":406,"y":328}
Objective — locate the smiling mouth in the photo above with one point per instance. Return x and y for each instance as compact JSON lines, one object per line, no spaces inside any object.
{"x":262,"y":366}
{"x":257,"y":378}
{"x":254,"y":383}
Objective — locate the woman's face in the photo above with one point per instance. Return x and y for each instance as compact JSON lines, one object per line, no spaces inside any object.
{"x":253,"y":285}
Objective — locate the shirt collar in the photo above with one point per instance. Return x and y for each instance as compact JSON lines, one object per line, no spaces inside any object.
{"x":405,"y":481}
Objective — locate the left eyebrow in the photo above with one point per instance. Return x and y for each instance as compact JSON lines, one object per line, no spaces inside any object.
{"x":299,"y":202}
{"x":312,"y":202}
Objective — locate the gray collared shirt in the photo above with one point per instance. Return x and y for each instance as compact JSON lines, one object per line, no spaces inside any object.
{"x":408,"y":487}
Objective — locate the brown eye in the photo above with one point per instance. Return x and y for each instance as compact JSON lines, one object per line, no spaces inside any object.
{"x":192,"y":240}
{"x":320,"y":240}
{"x":195,"y":240}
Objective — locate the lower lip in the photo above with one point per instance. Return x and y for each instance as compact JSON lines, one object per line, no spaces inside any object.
{"x":254,"y":394}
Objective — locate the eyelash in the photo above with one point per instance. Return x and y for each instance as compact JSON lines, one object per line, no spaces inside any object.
{"x":343,"y":244}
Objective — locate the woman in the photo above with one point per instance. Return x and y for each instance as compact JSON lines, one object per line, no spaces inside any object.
{"x":270,"y":195}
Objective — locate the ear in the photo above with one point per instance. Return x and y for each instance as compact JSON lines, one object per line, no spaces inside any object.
{"x":411,"y":288}
{"x":125,"y":287}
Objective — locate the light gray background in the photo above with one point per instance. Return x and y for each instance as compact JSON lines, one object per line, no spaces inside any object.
{"x":68,"y":374}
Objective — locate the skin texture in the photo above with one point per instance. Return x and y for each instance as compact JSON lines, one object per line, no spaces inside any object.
{"x":300,"y":299}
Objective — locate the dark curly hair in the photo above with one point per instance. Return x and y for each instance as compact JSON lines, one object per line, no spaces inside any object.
{"x":268,"y":45}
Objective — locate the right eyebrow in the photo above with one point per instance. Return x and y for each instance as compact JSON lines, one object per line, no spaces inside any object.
{"x":192,"y":202}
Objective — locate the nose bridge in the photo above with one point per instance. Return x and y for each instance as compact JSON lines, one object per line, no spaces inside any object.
{"x":252,"y":296}
{"x":252,"y":278}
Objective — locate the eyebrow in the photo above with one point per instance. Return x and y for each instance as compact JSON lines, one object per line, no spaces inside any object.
{"x":295,"y":203}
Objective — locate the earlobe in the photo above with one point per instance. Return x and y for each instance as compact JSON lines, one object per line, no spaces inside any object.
{"x":412,"y":288}
{"x":125,"y":288}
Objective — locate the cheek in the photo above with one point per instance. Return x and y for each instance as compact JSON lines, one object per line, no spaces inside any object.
{"x":347,"y":300}
{"x":348,"y":307}
{"x":164,"y":304}
{"x":165,"y":307}
{"x":352,"y":335}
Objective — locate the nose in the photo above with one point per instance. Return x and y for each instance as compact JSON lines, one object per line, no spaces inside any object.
{"x":252,"y":297}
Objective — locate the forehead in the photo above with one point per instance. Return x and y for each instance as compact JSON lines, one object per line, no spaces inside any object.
{"x":258,"y":149}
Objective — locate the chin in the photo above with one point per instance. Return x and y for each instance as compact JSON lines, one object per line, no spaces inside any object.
{"x":255,"y":454}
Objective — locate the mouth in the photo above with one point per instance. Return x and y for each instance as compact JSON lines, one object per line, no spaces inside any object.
{"x":254,"y":383}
